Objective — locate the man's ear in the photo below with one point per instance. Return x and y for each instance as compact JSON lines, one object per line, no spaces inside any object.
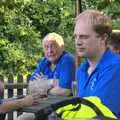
{"x":105,"y":37}
{"x":62,"y":47}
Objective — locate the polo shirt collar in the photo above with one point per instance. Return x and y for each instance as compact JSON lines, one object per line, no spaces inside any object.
{"x":104,"y":59}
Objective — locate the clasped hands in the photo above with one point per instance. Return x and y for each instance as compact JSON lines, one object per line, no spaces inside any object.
{"x":41,"y":84}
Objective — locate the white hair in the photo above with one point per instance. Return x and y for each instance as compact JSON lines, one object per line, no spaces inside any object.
{"x":54,"y":37}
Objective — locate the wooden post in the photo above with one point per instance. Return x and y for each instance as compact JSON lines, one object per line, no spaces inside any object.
{"x":2,"y":87}
{"x":10,"y":93}
{"x":20,"y":80}
{"x":78,"y":9}
{"x":28,"y":78}
{"x":2,"y":116}
{"x":20,"y":89}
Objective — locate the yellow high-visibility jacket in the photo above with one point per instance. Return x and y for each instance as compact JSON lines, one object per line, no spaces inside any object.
{"x":84,"y":112}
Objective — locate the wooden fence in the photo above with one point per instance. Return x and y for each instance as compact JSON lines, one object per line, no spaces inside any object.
{"x":13,"y":87}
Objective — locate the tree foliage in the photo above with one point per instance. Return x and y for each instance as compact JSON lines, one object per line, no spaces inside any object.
{"x":24,"y":23}
{"x":110,"y":7}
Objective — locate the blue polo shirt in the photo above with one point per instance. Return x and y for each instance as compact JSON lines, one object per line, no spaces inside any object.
{"x":64,"y":71}
{"x":103,"y":82}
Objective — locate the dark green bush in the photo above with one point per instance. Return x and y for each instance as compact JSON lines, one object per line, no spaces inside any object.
{"x":24,"y":23}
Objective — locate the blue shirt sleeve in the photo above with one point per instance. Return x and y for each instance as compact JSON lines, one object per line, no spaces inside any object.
{"x":40,"y":68}
{"x":67,"y":72}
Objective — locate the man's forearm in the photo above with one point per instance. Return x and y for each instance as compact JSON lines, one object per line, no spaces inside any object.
{"x":60,"y":91}
{"x":10,"y":105}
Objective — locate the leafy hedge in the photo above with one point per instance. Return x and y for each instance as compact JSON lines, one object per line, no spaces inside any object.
{"x":110,"y":7}
{"x":24,"y":23}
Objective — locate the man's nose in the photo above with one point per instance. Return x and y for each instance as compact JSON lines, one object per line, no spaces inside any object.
{"x":78,"y":42}
{"x":78,"y":39}
{"x":49,"y":50}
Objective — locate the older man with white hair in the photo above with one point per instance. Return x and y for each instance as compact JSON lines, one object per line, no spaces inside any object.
{"x":58,"y":67}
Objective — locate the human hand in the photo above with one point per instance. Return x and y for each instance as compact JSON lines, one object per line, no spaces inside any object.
{"x":54,"y":82}
{"x":40,"y":85}
{"x":40,"y":76}
{"x":31,"y":100}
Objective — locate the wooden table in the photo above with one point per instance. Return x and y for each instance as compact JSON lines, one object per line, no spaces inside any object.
{"x":42,"y":110}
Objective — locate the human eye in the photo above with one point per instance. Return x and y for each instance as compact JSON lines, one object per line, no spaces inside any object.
{"x":46,"y":46}
{"x":84,"y":37}
{"x":53,"y":46}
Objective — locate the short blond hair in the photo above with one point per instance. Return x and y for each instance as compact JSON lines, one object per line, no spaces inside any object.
{"x":101,"y":23}
{"x":54,"y":37}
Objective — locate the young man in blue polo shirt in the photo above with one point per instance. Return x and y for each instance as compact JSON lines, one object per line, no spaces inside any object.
{"x":99,"y":74}
{"x":58,"y":66}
